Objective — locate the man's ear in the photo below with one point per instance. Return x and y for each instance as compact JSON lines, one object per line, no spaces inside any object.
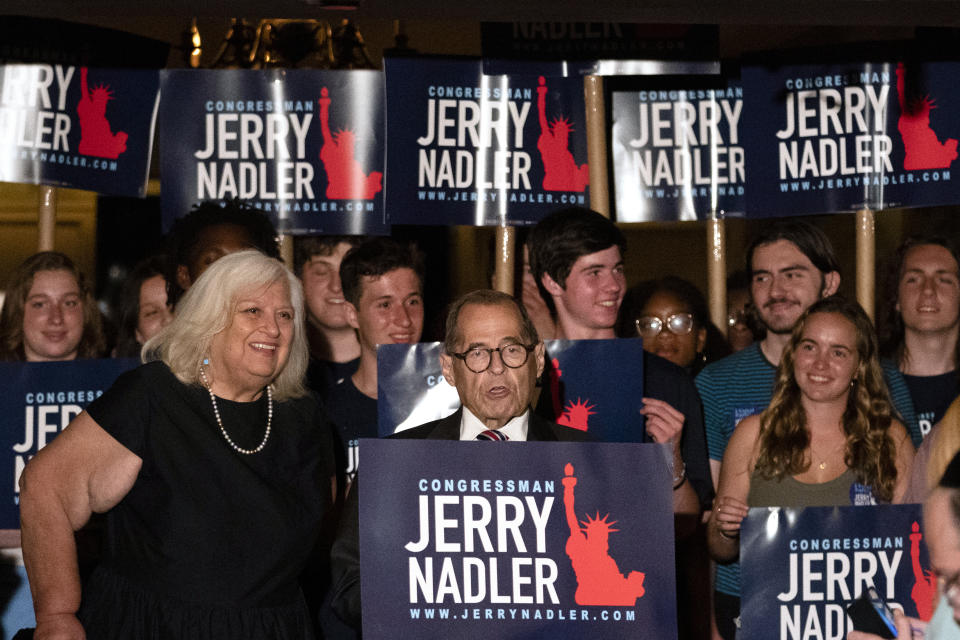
{"x":831,"y":283}
{"x":551,"y":285}
{"x":183,"y":277}
{"x":446,"y":365}
{"x":539,"y":353}
{"x":351,"y":312}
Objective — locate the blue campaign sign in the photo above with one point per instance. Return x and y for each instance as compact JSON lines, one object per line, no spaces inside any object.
{"x":39,"y":400}
{"x":471,"y":149}
{"x":411,"y":389}
{"x":595,"y":386}
{"x":843,"y":137}
{"x":802,"y":567}
{"x":516,"y":540}
{"x":591,"y":385}
{"x":677,"y":149}
{"x":78,"y":127}
{"x":306,"y":146}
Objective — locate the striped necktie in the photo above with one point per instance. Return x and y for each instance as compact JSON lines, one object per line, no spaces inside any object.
{"x":492,"y":434}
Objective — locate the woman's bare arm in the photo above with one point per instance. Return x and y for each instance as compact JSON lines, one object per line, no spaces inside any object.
{"x":82,"y":471}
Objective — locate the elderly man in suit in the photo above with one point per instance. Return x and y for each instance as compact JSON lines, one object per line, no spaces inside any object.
{"x":493,"y":356}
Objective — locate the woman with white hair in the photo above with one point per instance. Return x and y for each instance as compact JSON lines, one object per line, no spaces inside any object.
{"x":214,"y":468}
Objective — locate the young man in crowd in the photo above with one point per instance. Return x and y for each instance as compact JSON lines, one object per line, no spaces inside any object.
{"x":334,"y":347}
{"x":922,"y":323}
{"x":791,"y":265}
{"x":210,"y":231}
{"x":576,"y":256}
{"x":382,"y":283}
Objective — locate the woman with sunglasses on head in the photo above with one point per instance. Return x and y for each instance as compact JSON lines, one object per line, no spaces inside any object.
{"x":671,"y":316}
{"x":828,"y":437}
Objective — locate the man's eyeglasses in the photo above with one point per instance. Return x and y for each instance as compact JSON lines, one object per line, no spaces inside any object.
{"x":679,"y":324}
{"x":512,"y":355}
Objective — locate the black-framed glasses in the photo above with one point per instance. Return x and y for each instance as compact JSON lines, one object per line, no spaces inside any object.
{"x":679,"y":324}
{"x":512,"y":355}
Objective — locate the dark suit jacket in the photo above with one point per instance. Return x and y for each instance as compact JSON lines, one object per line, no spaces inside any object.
{"x":345,"y":555}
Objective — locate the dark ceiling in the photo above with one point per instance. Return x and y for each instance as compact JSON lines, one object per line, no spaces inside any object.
{"x":836,"y":12}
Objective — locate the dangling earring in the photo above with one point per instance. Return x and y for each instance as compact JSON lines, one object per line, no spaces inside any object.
{"x":206,"y":361}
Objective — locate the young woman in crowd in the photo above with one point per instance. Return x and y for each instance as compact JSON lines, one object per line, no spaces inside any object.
{"x":671,"y":316}
{"x":144,"y":309}
{"x":49,"y":313}
{"x":828,"y":436}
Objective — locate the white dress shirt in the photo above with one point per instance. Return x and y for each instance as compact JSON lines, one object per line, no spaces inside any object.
{"x":516,"y":429}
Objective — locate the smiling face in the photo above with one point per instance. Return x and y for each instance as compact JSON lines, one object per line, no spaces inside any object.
{"x":785,"y":283}
{"x":826,"y":358}
{"x":247,"y":355}
{"x":321,"y":288}
{"x":588,"y":302}
{"x":679,"y":349}
{"x":500,"y":393}
{"x":52,"y":317}
{"x":928,"y":296}
{"x":390,"y":309}
{"x":153,"y":311}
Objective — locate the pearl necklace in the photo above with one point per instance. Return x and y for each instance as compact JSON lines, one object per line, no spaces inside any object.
{"x":216,"y":413}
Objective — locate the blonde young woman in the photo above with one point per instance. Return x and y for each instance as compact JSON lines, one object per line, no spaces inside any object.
{"x":828,"y":437}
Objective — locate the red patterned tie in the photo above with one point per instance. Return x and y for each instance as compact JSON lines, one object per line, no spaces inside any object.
{"x":492,"y":434}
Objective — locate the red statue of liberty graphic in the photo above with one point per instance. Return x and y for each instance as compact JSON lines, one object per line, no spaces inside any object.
{"x":923,"y":149}
{"x":577,"y":414}
{"x":599,"y":581}
{"x":925,"y":584}
{"x":96,"y":139}
{"x":345,"y":177}
{"x":560,"y":170}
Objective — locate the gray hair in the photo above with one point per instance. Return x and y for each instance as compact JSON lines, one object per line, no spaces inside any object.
{"x":208,"y":308}
{"x":490,"y":298}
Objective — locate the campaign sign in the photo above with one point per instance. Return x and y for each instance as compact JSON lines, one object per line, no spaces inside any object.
{"x":79,"y":127}
{"x":677,"y":150}
{"x":471,"y":149}
{"x":411,"y":389}
{"x":306,"y":146}
{"x":802,"y":567}
{"x":846,"y":137}
{"x":38,"y":401}
{"x":590,"y":385}
{"x":516,"y":540}
{"x":605,"y":48}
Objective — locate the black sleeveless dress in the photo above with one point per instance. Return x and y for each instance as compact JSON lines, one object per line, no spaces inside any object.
{"x":209,"y":542}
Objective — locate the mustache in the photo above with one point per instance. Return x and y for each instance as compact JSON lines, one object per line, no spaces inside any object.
{"x":772,"y":301}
